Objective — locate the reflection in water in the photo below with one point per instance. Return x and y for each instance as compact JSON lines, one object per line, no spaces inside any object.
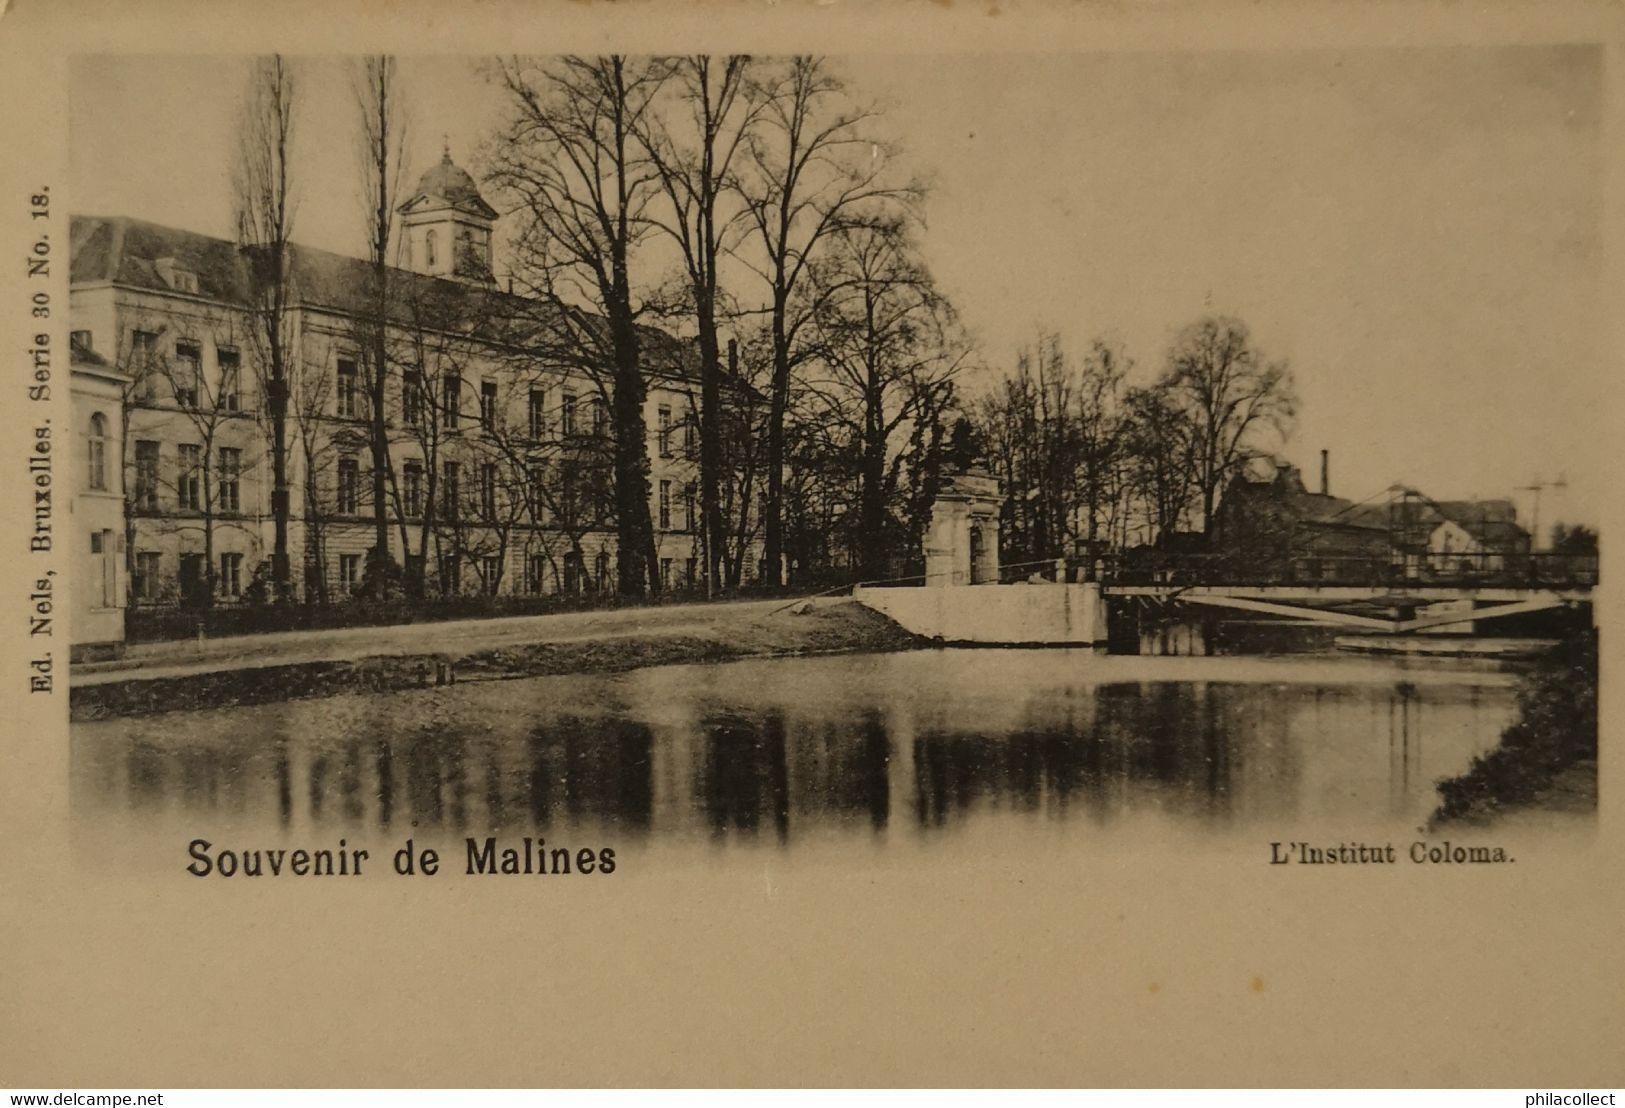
{"x":777,"y":750}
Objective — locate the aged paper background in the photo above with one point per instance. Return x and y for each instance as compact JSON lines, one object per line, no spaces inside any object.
{"x":1176,"y":963}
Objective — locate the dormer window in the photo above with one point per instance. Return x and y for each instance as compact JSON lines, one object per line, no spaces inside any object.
{"x":176,"y":277}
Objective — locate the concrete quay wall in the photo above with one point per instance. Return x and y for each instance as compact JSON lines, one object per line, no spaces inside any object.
{"x":1040,"y":614}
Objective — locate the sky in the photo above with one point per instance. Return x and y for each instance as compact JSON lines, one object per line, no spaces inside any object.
{"x":1417,"y":231}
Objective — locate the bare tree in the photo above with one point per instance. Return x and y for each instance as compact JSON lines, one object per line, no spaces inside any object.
{"x":206,"y":478}
{"x":694,"y":154}
{"x":888,"y":351}
{"x":265,"y":214}
{"x":1098,"y":431}
{"x":319,"y":449}
{"x":1159,"y":460}
{"x":813,"y":167}
{"x":381,"y":146}
{"x":1237,"y":403}
{"x":570,"y":160}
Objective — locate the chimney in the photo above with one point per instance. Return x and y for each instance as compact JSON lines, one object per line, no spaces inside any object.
{"x":1325,"y":473}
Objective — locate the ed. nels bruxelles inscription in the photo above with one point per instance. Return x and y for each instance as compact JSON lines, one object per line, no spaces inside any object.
{"x":1383,"y":854}
{"x":41,"y":597}
{"x":481,"y":856}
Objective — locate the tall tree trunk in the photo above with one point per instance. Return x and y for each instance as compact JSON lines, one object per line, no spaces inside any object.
{"x":636,"y":567}
{"x":778,"y":404}
{"x":713,"y":535}
{"x":281,"y":570}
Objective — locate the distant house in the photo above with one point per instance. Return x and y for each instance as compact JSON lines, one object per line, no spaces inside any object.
{"x":1473,"y":536}
{"x":1272,"y":526}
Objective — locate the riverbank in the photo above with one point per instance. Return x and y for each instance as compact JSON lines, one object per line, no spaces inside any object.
{"x":535,"y":647}
{"x":1547,"y":759}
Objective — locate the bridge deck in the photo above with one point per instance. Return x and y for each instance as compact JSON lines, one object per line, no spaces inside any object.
{"x":1333,"y":594}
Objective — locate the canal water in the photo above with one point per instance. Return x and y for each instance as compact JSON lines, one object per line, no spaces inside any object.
{"x":873,"y":752}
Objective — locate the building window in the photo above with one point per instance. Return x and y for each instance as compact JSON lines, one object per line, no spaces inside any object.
{"x":146,"y":475}
{"x":452,"y":401}
{"x":98,"y":452}
{"x":665,"y":431}
{"x":535,"y":573}
{"x":665,"y":505}
{"x":567,"y":496}
{"x":412,"y":491}
{"x":412,"y":398}
{"x":349,"y":408}
{"x":188,"y":372}
{"x":688,"y":434}
{"x":231,"y":575}
{"x":430,"y":249}
{"x":488,"y":490}
{"x":690,"y":572}
{"x":231,"y":468}
{"x":488,"y":404}
{"x":603,"y":571}
{"x":665,"y":573}
{"x":451,"y":574}
{"x":599,"y":421}
{"x":538,"y":413}
{"x":491,"y":573}
{"x":534,"y":476}
{"x":147,"y":568}
{"x":189,"y":482}
{"x":349,"y":484}
{"x":448,"y":490}
{"x":143,"y":346}
{"x":567,"y":414}
{"x":690,"y":520}
{"x":230,"y":379}
{"x":349,"y":572}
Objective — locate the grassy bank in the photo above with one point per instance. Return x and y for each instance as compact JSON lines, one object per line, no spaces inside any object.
{"x":1547,"y":759}
{"x":824,"y":629}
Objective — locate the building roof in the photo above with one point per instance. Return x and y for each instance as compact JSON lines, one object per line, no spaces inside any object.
{"x":127,"y":252}
{"x":448,"y":182}
{"x":1285,"y":490}
{"x":1490,"y":521}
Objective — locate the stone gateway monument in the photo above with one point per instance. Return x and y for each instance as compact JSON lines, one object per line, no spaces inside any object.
{"x":962,"y":542}
{"x":962,"y":549}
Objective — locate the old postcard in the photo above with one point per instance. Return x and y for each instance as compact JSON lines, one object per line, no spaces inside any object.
{"x":948,"y":544}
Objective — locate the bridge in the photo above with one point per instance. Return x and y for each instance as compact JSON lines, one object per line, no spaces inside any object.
{"x":1397,"y":595}
{"x":1398,"y":583}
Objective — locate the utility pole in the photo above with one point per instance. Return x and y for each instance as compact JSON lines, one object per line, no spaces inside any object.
{"x":1536,"y":487}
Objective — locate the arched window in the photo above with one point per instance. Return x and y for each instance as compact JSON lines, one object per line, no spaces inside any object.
{"x":428,"y":249}
{"x":98,"y":451}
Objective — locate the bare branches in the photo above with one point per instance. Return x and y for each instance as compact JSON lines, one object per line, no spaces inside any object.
{"x":265,"y":213}
{"x":380,"y":146}
{"x":812,"y":168}
{"x":569,"y":161}
{"x":1238,"y":404}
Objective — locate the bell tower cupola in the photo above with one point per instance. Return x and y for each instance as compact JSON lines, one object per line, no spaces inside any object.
{"x":446,"y":225}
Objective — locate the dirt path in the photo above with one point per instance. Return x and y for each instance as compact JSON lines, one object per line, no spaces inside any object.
{"x":310,"y":664}
{"x":187,"y":657}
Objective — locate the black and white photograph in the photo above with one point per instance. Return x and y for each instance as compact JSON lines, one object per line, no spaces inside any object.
{"x":629,"y":447}
{"x":940,"y":507}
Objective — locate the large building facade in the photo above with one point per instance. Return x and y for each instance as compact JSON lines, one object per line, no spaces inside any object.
{"x":495,"y":413}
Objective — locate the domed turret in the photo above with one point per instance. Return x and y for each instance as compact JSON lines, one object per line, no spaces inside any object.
{"x":446,"y":225}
